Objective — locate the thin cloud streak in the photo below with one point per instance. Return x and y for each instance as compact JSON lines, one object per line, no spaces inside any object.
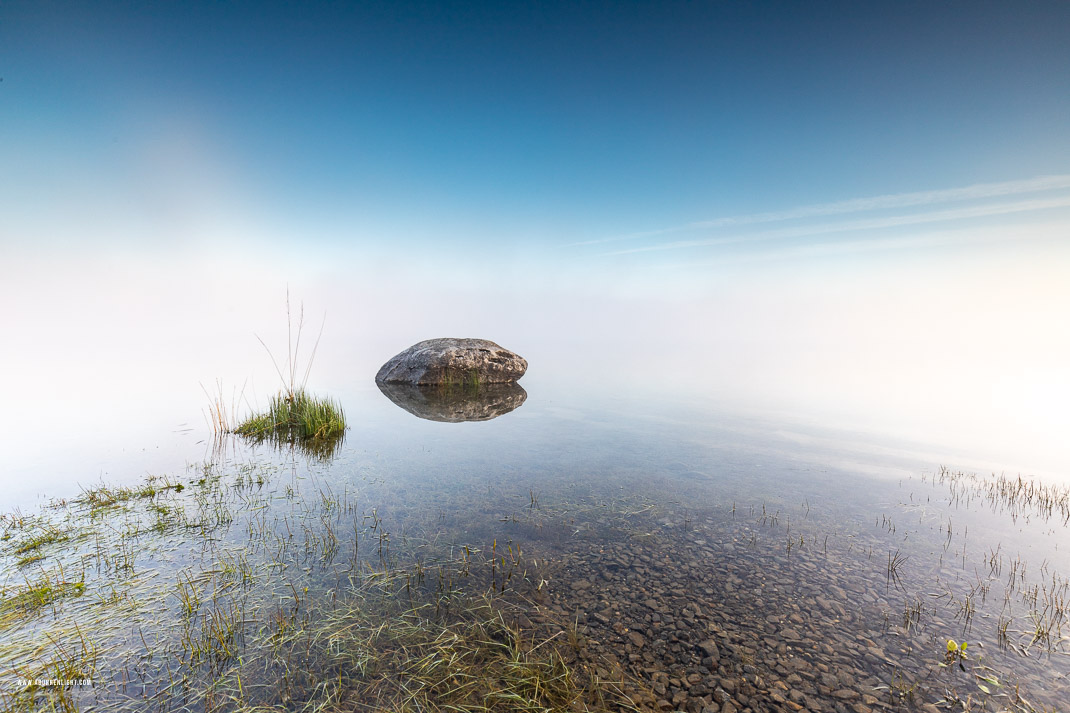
{"x":869,"y":224}
{"x":895,"y":200}
{"x":831,"y":249}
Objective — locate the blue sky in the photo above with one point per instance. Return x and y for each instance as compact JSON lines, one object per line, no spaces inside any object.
{"x":862,"y":208}
{"x":523,"y":123}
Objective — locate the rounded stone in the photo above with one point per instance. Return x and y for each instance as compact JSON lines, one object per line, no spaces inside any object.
{"x":453,"y":362}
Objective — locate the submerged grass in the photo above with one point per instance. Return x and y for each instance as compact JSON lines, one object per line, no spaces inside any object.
{"x":30,"y":546}
{"x":473,"y":660}
{"x":296,"y":596}
{"x":104,"y":496}
{"x":19,"y":602}
{"x":276,"y":612}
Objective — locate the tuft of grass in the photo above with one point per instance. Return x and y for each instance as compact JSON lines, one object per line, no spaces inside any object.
{"x":296,"y":414}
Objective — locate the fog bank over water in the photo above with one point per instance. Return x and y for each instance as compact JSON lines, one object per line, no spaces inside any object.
{"x":856,"y":219}
{"x":965,"y":352}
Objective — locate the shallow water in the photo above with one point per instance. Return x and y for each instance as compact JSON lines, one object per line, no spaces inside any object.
{"x":827,"y":569}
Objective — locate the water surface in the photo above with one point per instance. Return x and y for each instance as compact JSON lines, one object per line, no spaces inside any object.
{"x":712,"y":559}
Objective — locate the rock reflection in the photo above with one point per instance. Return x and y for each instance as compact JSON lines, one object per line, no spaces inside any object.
{"x":456,"y":404}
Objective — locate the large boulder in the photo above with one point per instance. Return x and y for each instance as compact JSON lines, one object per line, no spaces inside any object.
{"x":453,"y":362}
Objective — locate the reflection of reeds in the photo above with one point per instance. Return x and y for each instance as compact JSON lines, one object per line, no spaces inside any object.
{"x":321,"y":449}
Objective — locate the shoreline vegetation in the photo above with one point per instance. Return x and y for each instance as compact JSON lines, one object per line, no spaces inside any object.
{"x":258,"y":585}
{"x":319,"y":608}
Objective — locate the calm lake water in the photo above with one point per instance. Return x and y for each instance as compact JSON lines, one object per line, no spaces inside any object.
{"x":714,"y":560}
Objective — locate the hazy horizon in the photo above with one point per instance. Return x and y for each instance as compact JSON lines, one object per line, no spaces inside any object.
{"x":851,"y":215}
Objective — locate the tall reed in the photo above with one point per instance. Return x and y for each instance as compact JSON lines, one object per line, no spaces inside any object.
{"x":294,"y":413}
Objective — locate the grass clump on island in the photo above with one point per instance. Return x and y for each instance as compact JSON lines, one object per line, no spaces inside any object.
{"x":294,"y":414}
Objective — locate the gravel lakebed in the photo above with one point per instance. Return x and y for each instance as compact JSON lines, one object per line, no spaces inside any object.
{"x":720,"y":613}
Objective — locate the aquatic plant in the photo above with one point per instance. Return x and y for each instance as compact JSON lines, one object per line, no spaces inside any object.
{"x":407,"y":657}
{"x":221,"y":415}
{"x":300,"y":593}
{"x":296,"y":415}
{"x":423,"y":626}
{"x":895,"y":561}
{"x":30,"y":546}
{"x":19,"y":601}
{"x":293,"y":413}
{"x":955,"y":652}
{"x":109,"y":496}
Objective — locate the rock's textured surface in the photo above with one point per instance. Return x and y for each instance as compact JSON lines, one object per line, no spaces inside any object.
{"x":456,"y":404}
{"x":437,"y":362}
